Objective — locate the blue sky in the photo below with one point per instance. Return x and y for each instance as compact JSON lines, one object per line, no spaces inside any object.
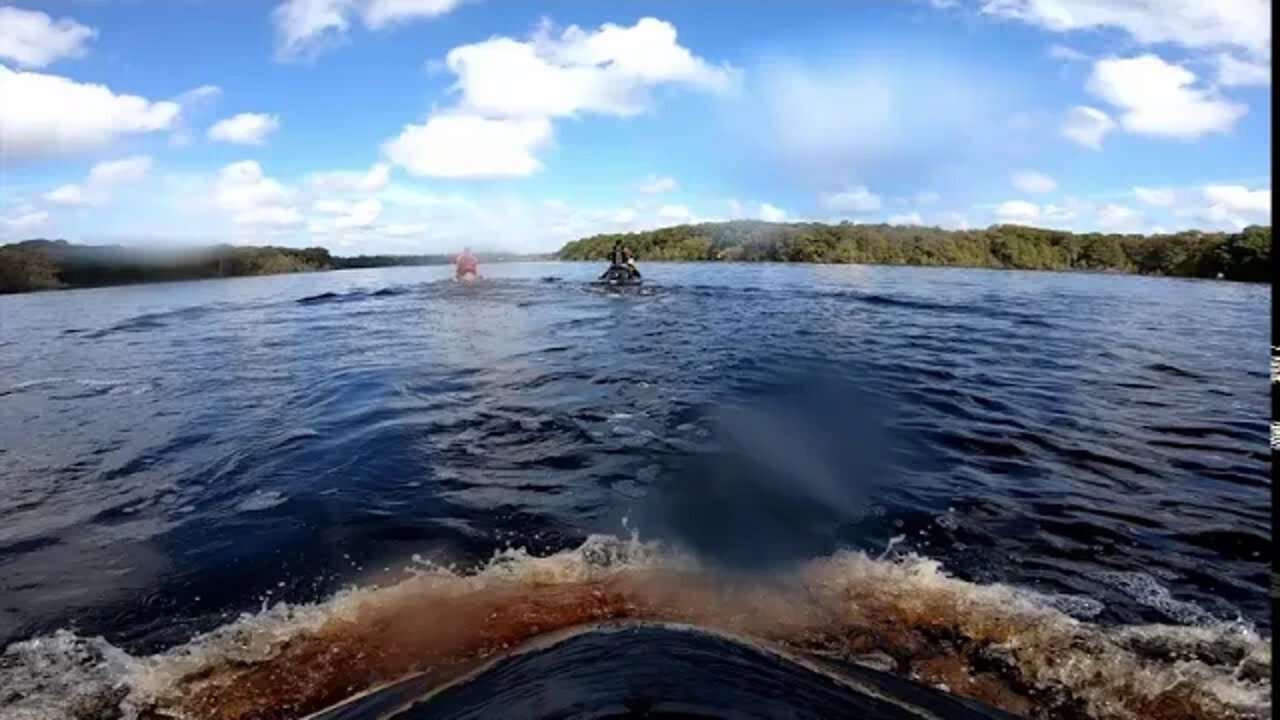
{"x":422,"y":125}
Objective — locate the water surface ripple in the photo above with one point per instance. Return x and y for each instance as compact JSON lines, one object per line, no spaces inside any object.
{"x":175,"y":455}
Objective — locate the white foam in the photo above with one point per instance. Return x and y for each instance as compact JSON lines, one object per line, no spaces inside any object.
{"x":1106,"y":671}
{"x":262,"y":500}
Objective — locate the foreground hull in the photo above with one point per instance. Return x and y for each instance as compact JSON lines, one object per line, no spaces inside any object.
{"x":658,"y":671}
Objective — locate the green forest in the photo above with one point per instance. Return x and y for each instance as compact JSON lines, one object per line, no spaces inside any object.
{"x":55,"y":264}
{"x":1245,"y":255}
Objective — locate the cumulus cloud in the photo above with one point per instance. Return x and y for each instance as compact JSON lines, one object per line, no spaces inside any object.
{"x":1234,"y":71}
{"x":1087,"y":126}
{"x":470,"y":146}
{"x":1239,"y":197}
{"x":115,"y":172}
{"x":1191,"y":23}
{"x":502,"y":222}
{"x":23,"y":220}
{"x":30,"y":38}
{"x":305,"y":28}
{"x":509,"y":91}
{"x":607,"y":71}
{"x":47,"y":115}
{"x":1017,"y":211}
{"x":1161,"y":99}
{"x":911,"y":218}
{"x":852,"y":200}
{"x":771,"y":213}
{"x":1032,"y":182}
{"x":1157,"y":197}
{"x":1232,"y":206}
{"x":655,"y":185}
{"x":70,"y":194}
{"x":373,"y":180}
{"x":382,"y":13}
{"x":253,"y":199}
{"x":1120,"y":218}
{"x":245,"y":128}
{"x":100,"y":181}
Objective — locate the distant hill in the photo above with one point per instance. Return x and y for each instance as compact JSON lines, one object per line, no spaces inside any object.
{"x":42,"y":264}
{"x":1245,"y":255}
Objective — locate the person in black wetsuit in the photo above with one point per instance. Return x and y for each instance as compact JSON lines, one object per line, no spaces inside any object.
{"x":620,"y":256}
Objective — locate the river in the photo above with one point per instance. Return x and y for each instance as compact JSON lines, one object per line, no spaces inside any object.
{"x":204,"y":480}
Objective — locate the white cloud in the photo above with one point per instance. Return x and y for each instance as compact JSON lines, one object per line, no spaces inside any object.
{"x":348,"y":216}
{"x":347,"y":181}
{"x":1236,"y":205}
{"x":911,"y":218}
{"x":1158,"y":197}
{"x":252,"y":198}
{"x":1239,"y":197}
{"x":675,"y":212}
{"x":245,"y":128}
{"x":1234,"y":71}
{"x":116,"y":172}
{"x":1017,"y":211}
{"x":101,"y":179}
{"x":608,"y":71}
{"x":469,"y":146}
{"x":1030,"y":181}
{"x":654,"y":185}
{"x":305,"y":28}
{"x":1161,"y":99}
{"x":489,"y":220}
{"x":70,"y":194}
{"x":853,"y":200}
{"x":47,"y":115}
{"x":1070,"y":54}
{"x":1120,"y":218}
{"x":25,"y":219}
{"x":382,"y":13}
{"x":1192,"y":23}
{"x":1058,"y":215}
{"x":32,"y":39}
{"x":199,"y":96}
{"x":1087,"y":126}
{"x":928,"y":197}
{"x":510,"y":90}
{"x":770,"y":213}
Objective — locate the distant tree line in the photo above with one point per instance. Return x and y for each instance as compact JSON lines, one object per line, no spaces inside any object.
{"x":53,"y":264}
{"x":1245,"y":255}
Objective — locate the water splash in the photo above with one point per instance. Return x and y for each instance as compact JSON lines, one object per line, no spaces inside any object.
{"x":1001,"y":645}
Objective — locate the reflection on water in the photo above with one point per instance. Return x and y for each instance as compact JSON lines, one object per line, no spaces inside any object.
{"x":1092,"y":447}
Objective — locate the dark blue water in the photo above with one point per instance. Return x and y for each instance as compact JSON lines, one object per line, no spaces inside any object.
{"x":175,"y":455}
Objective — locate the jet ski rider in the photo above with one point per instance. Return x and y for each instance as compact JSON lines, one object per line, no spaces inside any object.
{"x":621,"y":256}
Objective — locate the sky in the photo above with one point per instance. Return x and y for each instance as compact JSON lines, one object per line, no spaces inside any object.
{"x":418,"y":126}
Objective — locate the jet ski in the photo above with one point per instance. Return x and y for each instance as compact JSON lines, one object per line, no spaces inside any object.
{"x":620,"y":275}
{"x":642,"y":670}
